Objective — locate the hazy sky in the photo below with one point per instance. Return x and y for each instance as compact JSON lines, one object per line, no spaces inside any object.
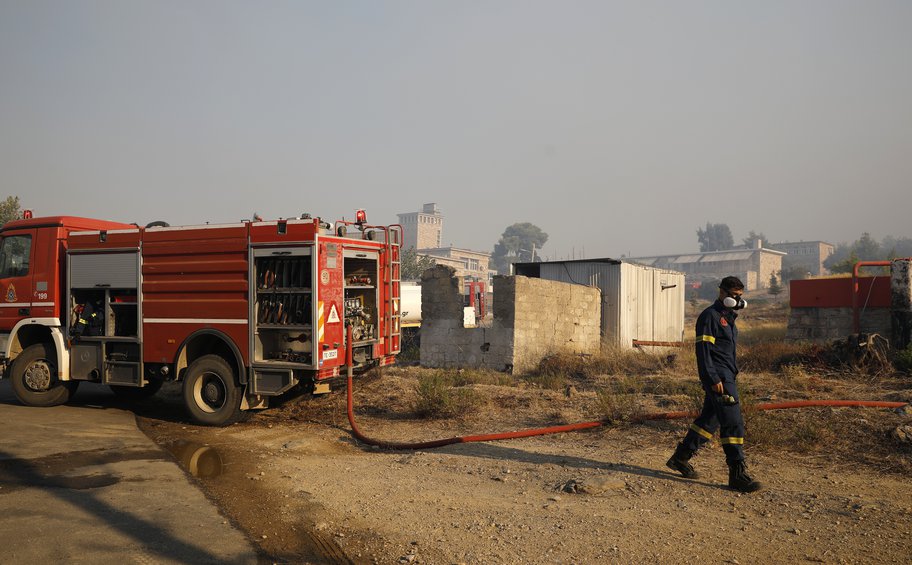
{"x":616,"y":127}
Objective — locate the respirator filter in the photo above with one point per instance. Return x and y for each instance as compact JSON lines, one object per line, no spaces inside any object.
{"x":734,"y":303}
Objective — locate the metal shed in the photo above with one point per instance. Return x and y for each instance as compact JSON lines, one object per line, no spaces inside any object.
{"x":639,"y":302}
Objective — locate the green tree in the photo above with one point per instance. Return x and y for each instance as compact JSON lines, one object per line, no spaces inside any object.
{"x":9,"y":209}
{"x":794,"y":272}
{"x":715,"y":237}
{"x":519,"y":242}
{"x":752,"y":237}
{"x":867,"y":248}
{"x":774,"y":288}
{"x":846,"y":265}
{"x":898,"y":246}
{"x":412,"y":264}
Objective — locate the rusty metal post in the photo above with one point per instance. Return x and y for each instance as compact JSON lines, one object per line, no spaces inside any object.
{"x":901,"y":302}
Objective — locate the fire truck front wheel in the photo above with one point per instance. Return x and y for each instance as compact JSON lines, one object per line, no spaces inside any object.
{"x":211,"y":392}
{"x":34,"y":377}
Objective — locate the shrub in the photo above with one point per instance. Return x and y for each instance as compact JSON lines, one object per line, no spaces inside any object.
{"x":902,"y":360}
{"x":437,"y":398}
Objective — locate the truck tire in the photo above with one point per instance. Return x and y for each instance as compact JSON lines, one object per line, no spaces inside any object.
{"x":211,"y":392}
{"x":34,"y":377}
{"x":135,"y":394}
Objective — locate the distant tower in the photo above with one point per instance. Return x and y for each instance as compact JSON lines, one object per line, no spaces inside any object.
{"x":424,"y":229}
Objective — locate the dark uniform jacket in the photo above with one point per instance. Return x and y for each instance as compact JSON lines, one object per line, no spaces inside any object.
{"x":717,"y":337}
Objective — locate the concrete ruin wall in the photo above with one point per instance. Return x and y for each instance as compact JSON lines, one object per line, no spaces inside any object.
{"x":901,"y":302}
{"x":533,"y":318}
{"x":827,"y":324}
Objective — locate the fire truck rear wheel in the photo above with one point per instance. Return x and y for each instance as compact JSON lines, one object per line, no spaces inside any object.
{"x":211,"y":392}
{"x":34,"y":376}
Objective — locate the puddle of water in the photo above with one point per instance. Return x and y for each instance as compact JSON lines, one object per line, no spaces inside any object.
{"x":59,"y":470}
{"x":197,"y":459}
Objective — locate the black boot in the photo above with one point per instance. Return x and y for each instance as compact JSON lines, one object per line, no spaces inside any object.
{"x":680,"y":462}
{"x":738,"y":478}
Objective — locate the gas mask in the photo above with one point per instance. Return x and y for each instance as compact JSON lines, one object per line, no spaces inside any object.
{"x":734,"y":303}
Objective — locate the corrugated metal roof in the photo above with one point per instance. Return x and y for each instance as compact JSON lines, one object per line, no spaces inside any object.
{"x":556,"y":262}
{"x":731,"y":256}
{"x":648,"y":261}
{"x":687,"y":259}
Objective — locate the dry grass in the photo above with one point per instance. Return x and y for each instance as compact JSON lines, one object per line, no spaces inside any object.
{"x":771,"y":356}
{"x":762,"y":331}
{"x":438,"y":397}
{"x":844,"y":435}
{"x":619,"y":385}
{"x":614,"y":361}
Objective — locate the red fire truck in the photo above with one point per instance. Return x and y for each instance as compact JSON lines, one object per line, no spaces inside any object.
{"x":239,"y":313}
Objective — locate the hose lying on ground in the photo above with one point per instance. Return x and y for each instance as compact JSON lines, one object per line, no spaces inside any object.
{"x":584,"y":425}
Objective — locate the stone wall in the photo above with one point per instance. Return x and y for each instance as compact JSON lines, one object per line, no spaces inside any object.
{"x":827,"y":324}
{"x":533,"y":318}
{"x":901,"y":302}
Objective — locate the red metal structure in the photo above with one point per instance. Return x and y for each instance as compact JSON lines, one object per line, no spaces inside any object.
{"x":239,"y":313}
{"x":475,"y":297}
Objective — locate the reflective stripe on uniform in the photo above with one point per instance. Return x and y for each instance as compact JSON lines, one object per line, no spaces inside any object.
{"x":732,"y":440}
{"x":697,"y":429}
{"x":709,"y":338}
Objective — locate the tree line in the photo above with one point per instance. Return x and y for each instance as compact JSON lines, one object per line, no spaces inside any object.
{"x":866,"y":248}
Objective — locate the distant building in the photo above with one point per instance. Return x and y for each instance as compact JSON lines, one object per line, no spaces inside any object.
{"x":424,"y":231}
{"x":468,"y":263}
{"x":753,"y":266}
{"x":807,"y":254}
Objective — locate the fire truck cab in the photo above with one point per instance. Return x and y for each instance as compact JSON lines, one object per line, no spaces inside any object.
{"x":238,"y":312}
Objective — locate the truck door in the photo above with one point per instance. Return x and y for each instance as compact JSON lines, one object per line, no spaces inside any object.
{"x":16,"y":260}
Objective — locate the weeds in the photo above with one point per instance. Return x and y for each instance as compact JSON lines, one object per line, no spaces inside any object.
{"x":902,"y":360}
{"x":619,"y":400}
{"x":750,"y":332}
{"x":780,"y":430}
{"x":438,"y":398}
{"x":771,"y":356}
{"x":794,"y":377}
{"x":612,"y":361}
{"x":549,"y":381}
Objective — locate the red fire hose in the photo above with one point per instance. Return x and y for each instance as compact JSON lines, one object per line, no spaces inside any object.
{"x":571,"y":427}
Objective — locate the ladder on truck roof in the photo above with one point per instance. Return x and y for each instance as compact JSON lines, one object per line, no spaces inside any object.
{"x":392,"y":279}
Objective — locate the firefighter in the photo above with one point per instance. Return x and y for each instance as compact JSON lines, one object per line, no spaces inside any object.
{"x":717,"y":338}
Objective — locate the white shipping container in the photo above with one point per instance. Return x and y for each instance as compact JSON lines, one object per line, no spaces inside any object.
{"x":638,"y":302}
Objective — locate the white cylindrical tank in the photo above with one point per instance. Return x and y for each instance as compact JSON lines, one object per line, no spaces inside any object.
{"x":410,"y":309}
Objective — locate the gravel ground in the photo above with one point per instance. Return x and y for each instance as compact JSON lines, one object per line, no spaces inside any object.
{"x":294,"y":479}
